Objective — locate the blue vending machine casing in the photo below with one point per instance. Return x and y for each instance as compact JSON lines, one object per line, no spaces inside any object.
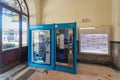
{"x":38,"y":53}
{"x":37,"y":58}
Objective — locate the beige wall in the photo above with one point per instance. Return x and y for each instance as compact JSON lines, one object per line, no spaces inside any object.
{"x":115,"y":20}
{"x":38,"y":5}
{"x":119,"y":11}
{"x":35,"y":10}
{"x":99,"y":12}
{"x":93,"y":12}
{"x":32,"y":11}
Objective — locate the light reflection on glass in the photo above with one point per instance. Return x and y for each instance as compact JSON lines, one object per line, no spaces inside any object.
{"x":10,"y":29}
{"x":12,"y":3}
{"x":24,"y":31}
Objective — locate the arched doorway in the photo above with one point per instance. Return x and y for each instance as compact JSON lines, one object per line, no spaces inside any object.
{"x":14,"y":20}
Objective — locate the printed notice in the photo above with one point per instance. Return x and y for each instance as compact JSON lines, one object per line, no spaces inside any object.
{"x":94,"y":43}
{"x":61,"y":41}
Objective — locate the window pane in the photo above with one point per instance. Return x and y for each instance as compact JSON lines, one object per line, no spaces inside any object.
{"x":24,"y":30}
{"x":12,"y":3}
{"x":23,"y":5}
{"x":10,"y":29}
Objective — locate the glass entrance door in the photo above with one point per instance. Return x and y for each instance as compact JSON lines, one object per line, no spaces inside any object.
{"x":10,"y":30}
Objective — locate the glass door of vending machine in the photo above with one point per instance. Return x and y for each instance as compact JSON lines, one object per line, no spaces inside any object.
{"x":41,"y":51}
{"x":65,"y":52}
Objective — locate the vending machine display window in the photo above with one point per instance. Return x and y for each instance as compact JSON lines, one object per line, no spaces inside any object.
{"x":41,"y":46}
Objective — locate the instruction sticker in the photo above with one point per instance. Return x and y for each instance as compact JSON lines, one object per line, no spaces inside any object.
{"x":61,"y":41}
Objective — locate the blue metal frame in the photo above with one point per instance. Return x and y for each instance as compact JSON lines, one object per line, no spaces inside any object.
{"x":41,"y":27}
{"x":74,"y":69}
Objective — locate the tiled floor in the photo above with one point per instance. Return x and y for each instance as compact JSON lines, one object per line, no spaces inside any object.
{"x":85,"y":72}
{"x":13,"y":72}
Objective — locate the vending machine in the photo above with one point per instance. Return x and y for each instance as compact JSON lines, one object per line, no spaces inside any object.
{"x":66,"y":49}
{"x":53,"y":46}
{"x":41,"y":46}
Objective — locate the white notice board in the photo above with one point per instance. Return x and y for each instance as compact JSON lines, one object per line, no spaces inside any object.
{"x":94,"y":43}
{"x":94,"y":40}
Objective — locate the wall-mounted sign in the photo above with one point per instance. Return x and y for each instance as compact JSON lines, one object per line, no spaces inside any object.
{"x":94,"y":43}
